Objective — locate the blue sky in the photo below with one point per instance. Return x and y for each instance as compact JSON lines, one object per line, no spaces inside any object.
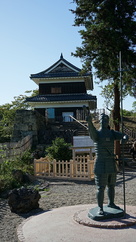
{"x":34,"y":33}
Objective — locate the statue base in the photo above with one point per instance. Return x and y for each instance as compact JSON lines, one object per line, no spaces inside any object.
{"x":109,"y":213}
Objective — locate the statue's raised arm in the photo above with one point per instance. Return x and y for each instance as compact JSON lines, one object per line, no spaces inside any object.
{"x":91,"y":128}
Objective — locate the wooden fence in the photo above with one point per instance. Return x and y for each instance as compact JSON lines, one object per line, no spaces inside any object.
{"x":80,"y":168}
{"x":10,"y":150}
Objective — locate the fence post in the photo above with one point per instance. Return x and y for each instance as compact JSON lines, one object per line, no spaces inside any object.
{"x":71,"y":168}
{"x":63,"y":162}
{"x":89,"y":167}
{"x":34,"y":167}
{"x":54,"y":168}
{"x":91,"y":162}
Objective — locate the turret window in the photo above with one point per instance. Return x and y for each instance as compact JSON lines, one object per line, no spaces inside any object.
{"x":55,"y":90}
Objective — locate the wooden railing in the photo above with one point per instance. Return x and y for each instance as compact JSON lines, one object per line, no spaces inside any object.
{"x":130,"y":133}
{"x":10,"y":150}
{"x":80,"y":168}
{"x":80,"y":115}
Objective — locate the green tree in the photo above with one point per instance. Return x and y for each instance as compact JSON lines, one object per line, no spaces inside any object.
{"x":127,"y":113}
{"x":109,"y":28}
{"x":134,"y":106}
{"x":60,"y":150}
{"x":7,"y":114}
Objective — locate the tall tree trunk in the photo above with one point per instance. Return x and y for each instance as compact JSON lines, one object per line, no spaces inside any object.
{"x":116,"y":116}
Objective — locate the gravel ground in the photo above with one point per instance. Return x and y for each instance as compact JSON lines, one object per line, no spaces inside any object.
{"x":65,"y":193}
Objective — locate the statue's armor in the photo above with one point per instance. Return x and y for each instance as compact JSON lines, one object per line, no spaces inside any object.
{"x":104,"y":148}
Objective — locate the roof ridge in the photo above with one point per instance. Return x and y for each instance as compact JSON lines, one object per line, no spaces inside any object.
{"x":61,"y":60}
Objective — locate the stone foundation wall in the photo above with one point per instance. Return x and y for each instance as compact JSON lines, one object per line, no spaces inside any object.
{"x":27,"y":122}
{"x":31,"y":122}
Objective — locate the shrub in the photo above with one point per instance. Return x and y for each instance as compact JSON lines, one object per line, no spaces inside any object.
{"x":23,"y":163}
{"x":27,"y":157}
{"x":60,"y":150}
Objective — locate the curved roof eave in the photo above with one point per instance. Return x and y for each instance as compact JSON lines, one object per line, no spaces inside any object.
{"x":72,"y":101}
{"x":48,"y":73}
{"x":61,"y":60}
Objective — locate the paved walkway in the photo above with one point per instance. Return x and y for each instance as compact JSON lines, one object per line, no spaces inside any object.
{"x":63,"y":194}
{"x":64,"y":224}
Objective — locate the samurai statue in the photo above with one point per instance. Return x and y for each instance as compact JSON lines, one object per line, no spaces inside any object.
{"x":105,"y":165}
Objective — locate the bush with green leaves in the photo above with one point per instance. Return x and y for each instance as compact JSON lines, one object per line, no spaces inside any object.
{"x":23,"y":163}
{"x":60,"y":150}
{"x":127,"y":113}
{"x":27,"y":157}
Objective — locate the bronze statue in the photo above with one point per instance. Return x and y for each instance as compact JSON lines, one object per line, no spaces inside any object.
{"x":105,"y":166}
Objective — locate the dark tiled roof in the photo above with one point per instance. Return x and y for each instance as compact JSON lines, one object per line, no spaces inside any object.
{"x":61,"y":97}
{"x":61,"y":68}
{"x":59,"y":74}
{"x":64,"y":61}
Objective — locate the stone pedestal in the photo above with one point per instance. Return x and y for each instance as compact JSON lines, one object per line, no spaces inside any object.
{"x":109,"y":213}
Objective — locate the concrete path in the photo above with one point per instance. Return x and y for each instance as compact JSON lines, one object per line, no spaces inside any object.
{"x":65,"y":224}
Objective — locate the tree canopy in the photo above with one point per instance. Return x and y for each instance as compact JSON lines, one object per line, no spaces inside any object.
{"x":109,"y":28}
{"x":7,"y":114}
